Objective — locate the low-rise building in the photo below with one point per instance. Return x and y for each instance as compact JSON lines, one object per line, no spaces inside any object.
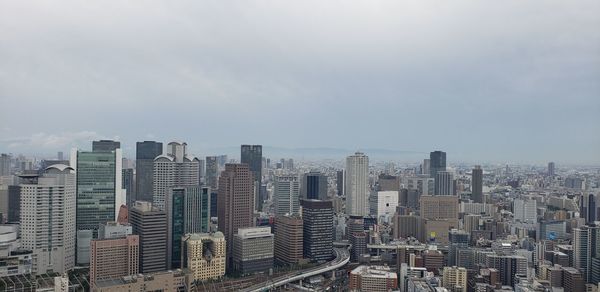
{"x":204,"y":254}
{"x":373,"y":279}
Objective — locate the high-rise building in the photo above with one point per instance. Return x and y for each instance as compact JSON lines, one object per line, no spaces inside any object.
{"x":150,"y":224}
{"x":426,"y":169}
{"x":317,"y":221}
{"x":288,"y":240}
{"x":573,"y":280}
{"x":177,"y":168}
{"x":457,"y":239}
{"x":525,"y":210}
{"x":114,"y":258}
{"x":48,"y":218}
{"x":105,"y":145}
{"x":212,"y":172}
{"x":586,"y":250}
{"x":357,"y":236}
{"x":114,"y":230}
{"x":439,"y":207}
{"x":551,"y":171}
{"x":455,"y":278}
{"x":99,"y":194}
{"x":477,"y":184}
{"x":252,"y":155}
{"x":204,"y":254}
{"x":235,"y":201}
{"x":437,"y":162}
{"x":145,"y":152}
{"x":339,"y":175}
{"x":357,"y":184}
{"x":508,"y":266}
{"x":128,"y":184}
{"x":444,"y":183}
{"x":589,"y":207}
{"x":253,"y":250}
{"x":188,"y":211}
{"x":4,"y":164}
{"x":409,"y":226}
{"x":314,"y":186}
{"x":286,"y":195}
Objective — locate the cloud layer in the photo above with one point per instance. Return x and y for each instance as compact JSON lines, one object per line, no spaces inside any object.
{"x":499,"y":81}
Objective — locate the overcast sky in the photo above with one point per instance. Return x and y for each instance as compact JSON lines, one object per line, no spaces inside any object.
{"x":483,"y":80}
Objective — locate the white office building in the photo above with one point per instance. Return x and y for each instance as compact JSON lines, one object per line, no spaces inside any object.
{"x":286,"y":195}
{"x":387,"y":201}
{"x":175,"y":169}
{"x":357,"y":184}
{"x":525,"y":210}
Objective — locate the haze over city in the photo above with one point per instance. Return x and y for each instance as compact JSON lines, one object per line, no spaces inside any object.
{"x":504,"y":81}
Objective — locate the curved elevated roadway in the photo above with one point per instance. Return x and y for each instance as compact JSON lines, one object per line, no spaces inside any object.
{"x":342,"y":257}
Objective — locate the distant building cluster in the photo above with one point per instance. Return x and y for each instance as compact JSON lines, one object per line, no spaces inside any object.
{"x":171,"y":221}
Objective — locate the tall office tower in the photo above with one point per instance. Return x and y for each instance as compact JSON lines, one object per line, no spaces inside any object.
{"x":551,"y":171}
{"x":508,"y":266}
{"x":357,"y":184}
{"x":426,"y":167}
{"x":105,"y":145}
{"x":128,"y":184}
{"x":253,"y":250}
{"x":437,"y":162}
{"x":150,"y":224}
{"x":235,"y":202}
{"x":586,"y":251}
{"x":458,"y":239}
{"x":477,"y":184}
{"x":409,"y":226}
{"x":455,"y":278}
{"x":339,"y":175}
{"x":175,"y":169}
{"x":204,"y":254}
{"x":444,"y":183}
{"x":145,"y":152}
{"x":288,"y":240}
{"x":317,"y":221}
{"x":114,"y":258}
{"x":4,"y":164}
{"x":357,"y":236}
{"x":588,"y":207}
{"x":314,"y":186}
{"x":286,"y":195}
{"x":188,"y":211}
{"x":212,"y":172}
{"x":48,"y":218}
{"x":252,"y":155}
{"x":439,"y":207}
{"x":99,"y":194}
{"x":525,"y":210}
{"x":14,"y":204}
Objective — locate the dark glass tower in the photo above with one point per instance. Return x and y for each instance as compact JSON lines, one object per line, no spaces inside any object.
{"x":128,"y":185}
{"x":252,"y":155}
{"x":317,"y":217}
{"x":477,"y":184}
{"x":314,"y":186}
{"x":105,"y":145}
{"x":144,"y":169}
{"x":340,"y":182}
{"x":437,"y":162}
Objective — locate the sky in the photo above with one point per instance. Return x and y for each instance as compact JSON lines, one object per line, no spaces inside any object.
{"x":515,"y":81}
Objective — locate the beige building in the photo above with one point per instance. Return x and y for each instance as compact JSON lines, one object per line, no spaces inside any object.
{"x":455,"y":279}
{"x":204,"y":254}
{"x":373,"y":279}
{"x":169,"y":281}
{"x":439,"y":207}
{"x":288,"y":240}
{"x":114,"y":258}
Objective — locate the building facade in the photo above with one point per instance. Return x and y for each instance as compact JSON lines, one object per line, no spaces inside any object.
{"x":175,"y":169}
{"x":114,"y":258}
{"x":286,"y":195}
{"x":253,"y":250}
{"x":150,"y":224}
{"x":357,"y":184}
{"x":145,"y":152}
{"x":252,"y":155}
{"x":204,"y":254}
{"x":288,"y":240}
{"x":317,"y":221}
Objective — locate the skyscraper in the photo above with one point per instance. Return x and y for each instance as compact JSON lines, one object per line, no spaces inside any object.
{"x":253,"y":250}
{"x":314,"y":186}
{"x":551,"y":171}
{"x":340,"y":182}
{"x":288,"y":240}
{"x":477,"y":184}
{"x":444,"y":183}
{"x":317,"y":221}
{"x":286,"y":195}
{"x":357,"y":184}
{"x":144,"y":169}
{"x":252,"y":155}
{"x":48,"y":219}
{"x":150,"y":224}
{"x":99,"y":194}
{"x":212,"y":172}
{"x":439,"y":207}
{"x":235,"y":201}
{"x":127,"y":184}
{"x":586,"y":251}
{"x":525,"y":210}
{"x":4,"y":164}
{"x":175,"y":169}
{"x":588,"y":207}
{"x":114,"y":258}
{"x":188,"y":211}
{"x":105,"y":145}
{"x":437,"y":162}
{"x":426,"y":169}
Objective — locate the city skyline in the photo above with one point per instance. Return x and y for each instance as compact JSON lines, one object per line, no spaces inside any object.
{"x":495,"y":91}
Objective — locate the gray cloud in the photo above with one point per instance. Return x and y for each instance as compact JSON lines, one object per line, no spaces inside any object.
{"x":500,"y":81}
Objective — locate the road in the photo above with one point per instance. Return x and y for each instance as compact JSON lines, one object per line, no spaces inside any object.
{"x":342,"y":257}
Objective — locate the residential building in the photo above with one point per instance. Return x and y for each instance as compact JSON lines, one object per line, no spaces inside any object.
{"x":357,"y":184}
{"x":455,"y":278}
